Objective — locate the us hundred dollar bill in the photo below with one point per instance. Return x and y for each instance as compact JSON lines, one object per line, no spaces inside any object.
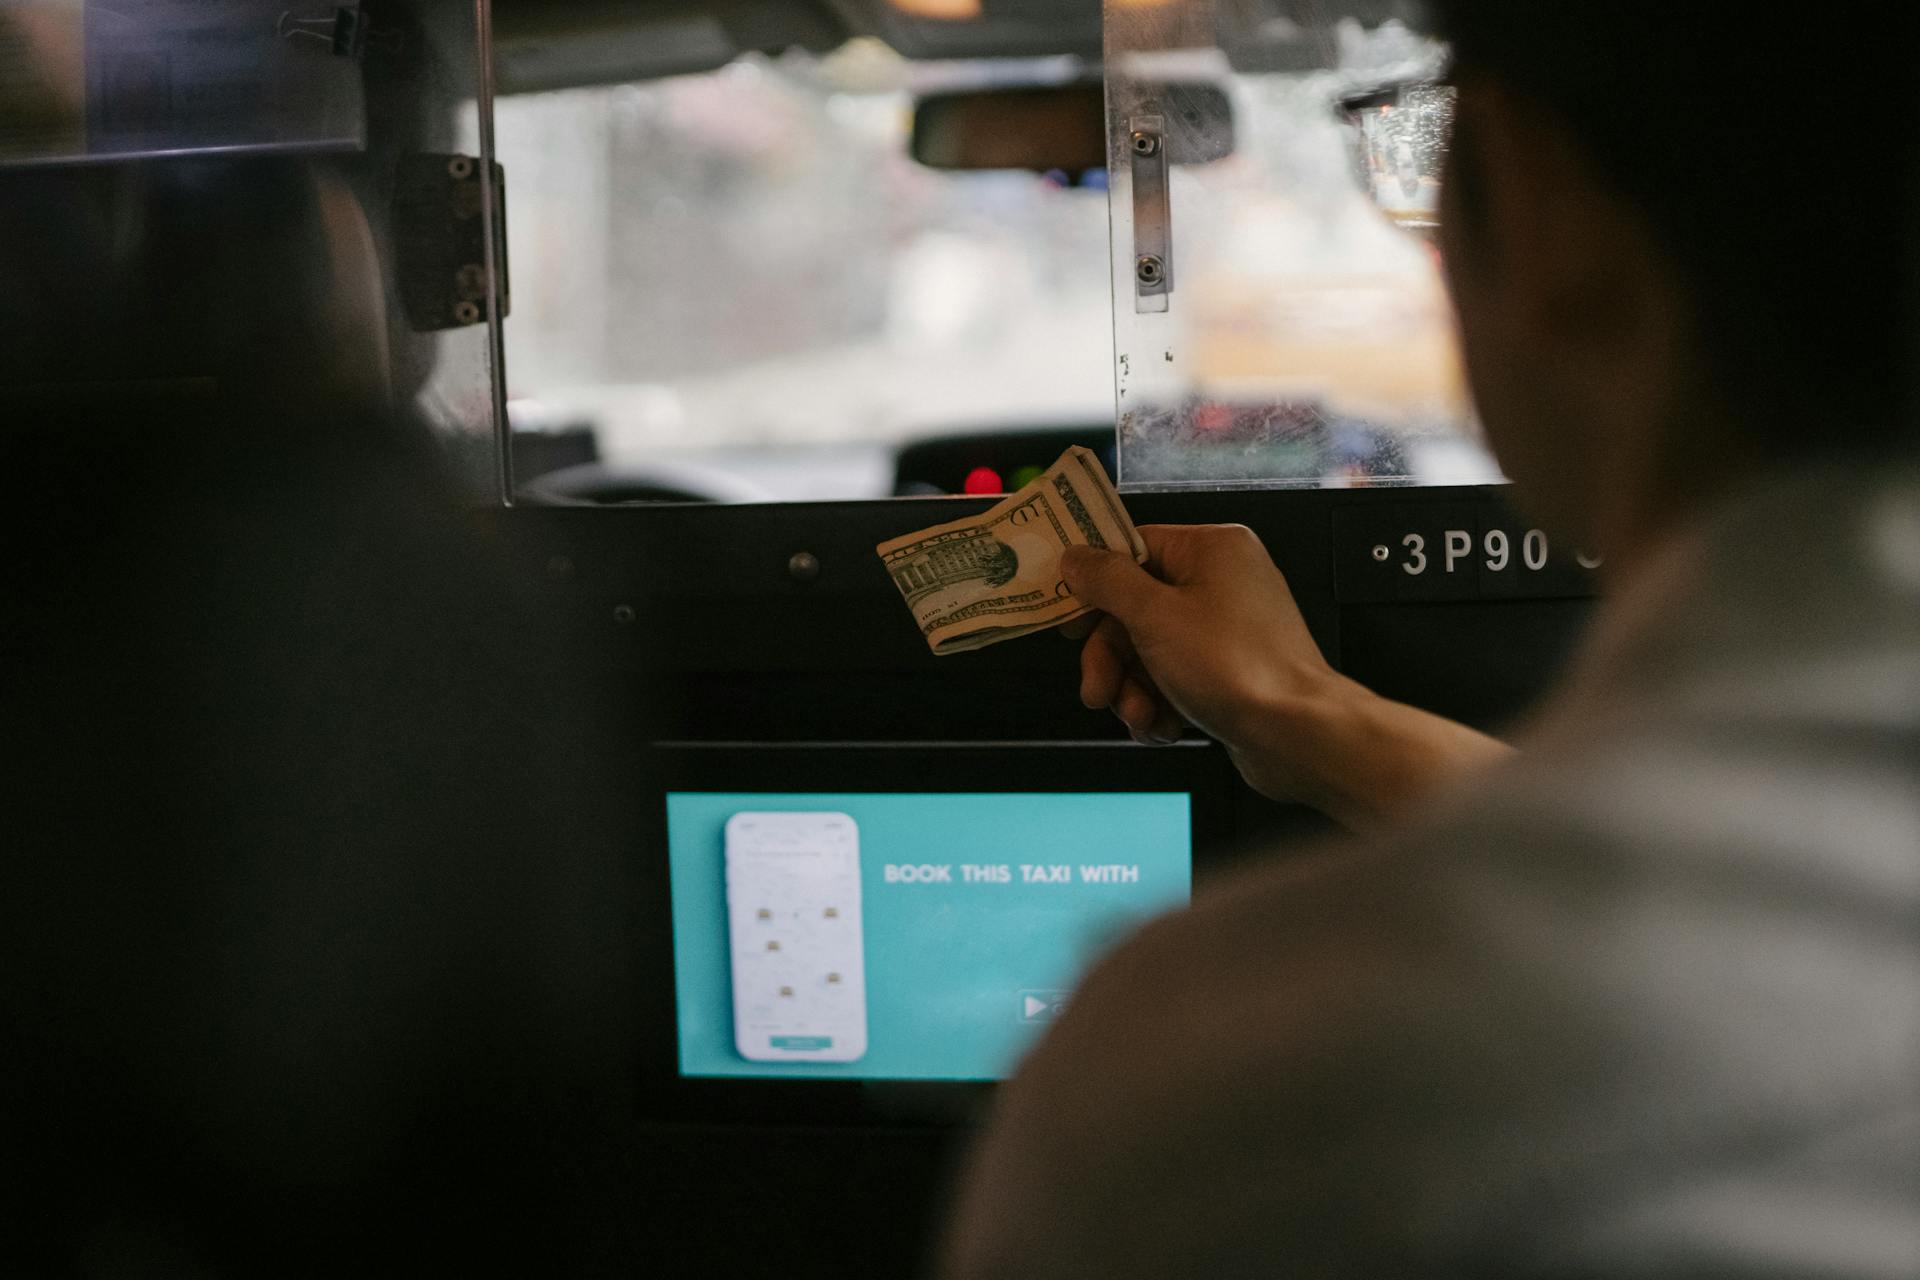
{"x":994,"y":576}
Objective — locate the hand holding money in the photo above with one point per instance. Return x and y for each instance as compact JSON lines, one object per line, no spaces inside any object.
{"x":994,"y":576}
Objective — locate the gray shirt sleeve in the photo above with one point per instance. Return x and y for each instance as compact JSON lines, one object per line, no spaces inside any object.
{"x":1557,"y":1031}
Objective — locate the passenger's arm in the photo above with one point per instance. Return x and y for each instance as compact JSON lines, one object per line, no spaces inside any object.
{"x":1209,"y":634}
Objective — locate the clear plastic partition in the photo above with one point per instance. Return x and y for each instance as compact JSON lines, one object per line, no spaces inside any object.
{"x":450,"y":211}
{"x":745,"y":287}
{"x":1274,"y":326}
{"x":397,"y":274}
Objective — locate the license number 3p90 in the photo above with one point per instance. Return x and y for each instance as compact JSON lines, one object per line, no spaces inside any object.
{"x":1496,"y":551}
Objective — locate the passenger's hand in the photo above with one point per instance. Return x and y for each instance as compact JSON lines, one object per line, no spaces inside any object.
{"x":1208,"y":634}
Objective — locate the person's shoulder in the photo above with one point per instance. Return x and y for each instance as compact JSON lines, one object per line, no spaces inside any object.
{"x":1792,"y":779}
{"x":1630,"y":948}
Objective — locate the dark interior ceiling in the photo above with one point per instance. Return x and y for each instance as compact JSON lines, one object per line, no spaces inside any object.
{"x":550,"y":44}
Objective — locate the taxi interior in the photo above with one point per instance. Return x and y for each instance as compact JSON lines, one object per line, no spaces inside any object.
{"x":707,"y":527}
{"x":790,"y":278}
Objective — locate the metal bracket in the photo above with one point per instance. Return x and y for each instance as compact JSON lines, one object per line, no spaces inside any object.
{"x":440,"y":241}
{"x":1152,"y":214}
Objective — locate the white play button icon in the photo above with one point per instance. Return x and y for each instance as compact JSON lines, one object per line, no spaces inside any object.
{"x":1042,"y":1006}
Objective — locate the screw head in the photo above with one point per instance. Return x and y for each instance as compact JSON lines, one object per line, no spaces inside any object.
{"x":467,"y":313}
{"x":460,"y":168}
{"x":623,"y":614}
{"x":1381,"y":553}
{"x":1144,"y":143}
{"x":803,"y":566}
{"x":1149,"y":270}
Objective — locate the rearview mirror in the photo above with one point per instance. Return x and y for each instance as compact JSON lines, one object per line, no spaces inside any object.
{"x":1050,"y":127}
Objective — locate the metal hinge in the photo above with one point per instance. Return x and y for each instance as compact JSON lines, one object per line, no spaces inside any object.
{"x":440,"y":241}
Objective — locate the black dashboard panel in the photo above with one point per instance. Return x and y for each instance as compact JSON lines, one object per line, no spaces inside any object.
{"x":755,"y":623}
{"x":1005,"y":460}
{"x":714,"y":632}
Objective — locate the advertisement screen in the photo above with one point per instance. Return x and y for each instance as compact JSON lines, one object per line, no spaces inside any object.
{"x":902,"y":937}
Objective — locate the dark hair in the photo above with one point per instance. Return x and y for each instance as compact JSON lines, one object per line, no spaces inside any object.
{"x":1750,"y":142}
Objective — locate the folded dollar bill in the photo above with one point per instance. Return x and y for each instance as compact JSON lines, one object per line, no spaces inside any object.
{"x":994,"y":576}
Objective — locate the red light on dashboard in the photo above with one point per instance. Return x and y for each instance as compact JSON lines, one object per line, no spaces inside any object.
{"x":983,"y":480}
{"x":1211,"y":415}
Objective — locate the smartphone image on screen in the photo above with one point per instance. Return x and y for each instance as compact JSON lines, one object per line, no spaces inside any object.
{"x":794,"y":925}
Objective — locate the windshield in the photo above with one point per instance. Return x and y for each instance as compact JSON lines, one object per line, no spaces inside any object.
{"x":743,"y":287}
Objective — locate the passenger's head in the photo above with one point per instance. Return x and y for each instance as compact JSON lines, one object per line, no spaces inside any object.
{"x":1677,"y":239}
{"x":219,"y":279}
